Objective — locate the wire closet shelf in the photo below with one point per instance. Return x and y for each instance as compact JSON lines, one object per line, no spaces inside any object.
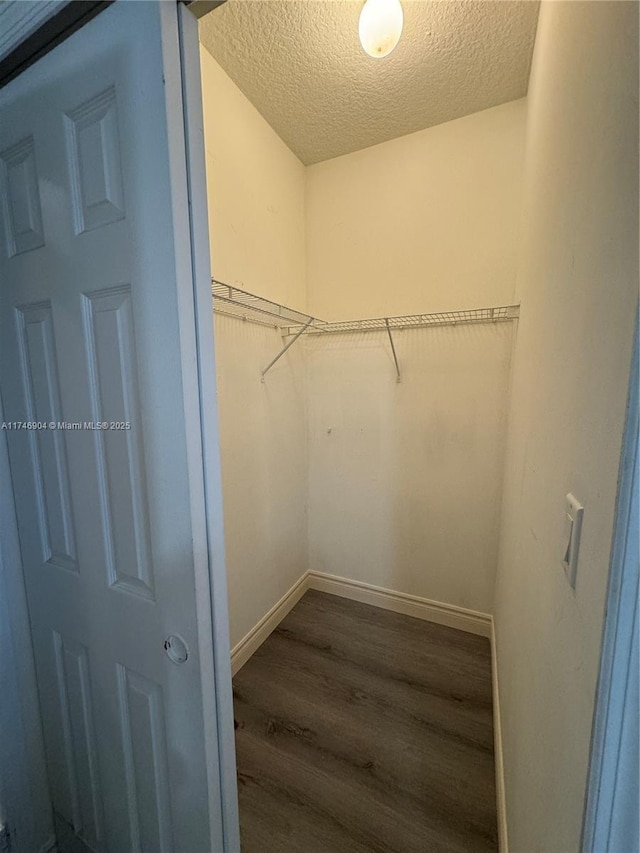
{"x":235,"y":302}
{"x":231,"y":300}
{"x":411,"y":321}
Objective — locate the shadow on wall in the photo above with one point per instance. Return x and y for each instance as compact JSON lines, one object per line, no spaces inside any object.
{"x":264,"y":472}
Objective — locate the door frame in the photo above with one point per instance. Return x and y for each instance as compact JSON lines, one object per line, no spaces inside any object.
{"x":33,"y":29}
{"x":618,"y":676}
{"x":196,"y":321}
{"x":218,"y":640}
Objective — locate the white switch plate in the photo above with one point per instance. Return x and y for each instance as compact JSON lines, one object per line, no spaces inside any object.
{"x":571,"y":540}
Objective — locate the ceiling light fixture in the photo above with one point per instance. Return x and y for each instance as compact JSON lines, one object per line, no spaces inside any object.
{"x":380,"y":26}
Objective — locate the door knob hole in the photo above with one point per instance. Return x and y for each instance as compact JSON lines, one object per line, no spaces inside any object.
{"x":176,"y":648}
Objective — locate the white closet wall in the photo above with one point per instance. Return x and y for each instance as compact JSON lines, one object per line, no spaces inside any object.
{"x":405,"y":480}
{"x":264,"y":470}
{"x":578,"y":278}
{"x":256,"y":216}
{"x":256,"y":191}
{"x":425,"y":222}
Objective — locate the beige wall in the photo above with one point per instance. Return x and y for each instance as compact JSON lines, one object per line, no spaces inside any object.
{"x":578,"y":283}
{"x":256,"y":195}
{"x":426,"y":222}
{"x":256,"y":219}
{"x":264,"y":470}
{"x":405,"y":479}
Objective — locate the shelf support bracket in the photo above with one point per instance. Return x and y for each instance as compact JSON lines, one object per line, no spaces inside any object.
{"x":284,"y":349}
{"x":393,"y":349}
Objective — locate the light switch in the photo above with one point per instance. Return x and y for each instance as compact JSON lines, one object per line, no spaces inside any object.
{"x":571,"y":544}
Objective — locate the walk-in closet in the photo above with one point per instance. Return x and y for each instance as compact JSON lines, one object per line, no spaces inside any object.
{"x":319,"y":426}
{"x":363,"y":233}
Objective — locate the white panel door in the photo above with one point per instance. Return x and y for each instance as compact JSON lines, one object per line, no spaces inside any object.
{"x":97,"y":328}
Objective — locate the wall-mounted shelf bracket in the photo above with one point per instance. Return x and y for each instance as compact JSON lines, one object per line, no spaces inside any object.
{"x":286,"y":347}
{"x":393,"y":349}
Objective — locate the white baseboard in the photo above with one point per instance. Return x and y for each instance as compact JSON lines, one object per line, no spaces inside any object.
{"x":243,"y":650}
{"x":472,"y":621}
{"x":503,"y":840}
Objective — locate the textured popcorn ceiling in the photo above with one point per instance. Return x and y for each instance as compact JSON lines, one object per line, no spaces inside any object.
{"x":301,"y":65}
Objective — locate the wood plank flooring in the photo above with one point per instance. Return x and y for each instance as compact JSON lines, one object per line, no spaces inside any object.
{"x":364,"y":730}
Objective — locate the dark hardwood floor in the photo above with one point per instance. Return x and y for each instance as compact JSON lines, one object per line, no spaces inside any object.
{"x":364,"y":730}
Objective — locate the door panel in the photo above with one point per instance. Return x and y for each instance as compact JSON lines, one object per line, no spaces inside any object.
{"x":21,"y":201}
{"x":146,"y":761}
{"x":93,"y":147}
{"x":108,"y":318}
{"x":41,"y":386}
{"x":95,"y":327}
{"x":78,"y":730}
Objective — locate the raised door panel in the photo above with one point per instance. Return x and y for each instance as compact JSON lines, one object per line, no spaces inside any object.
{"x":22,"y":214}
{"x":145,"y":749}
{"x":115,"y":401}
{"x":93,"y":146}
{"x":41,"y":386}
{"x":80,"y":746}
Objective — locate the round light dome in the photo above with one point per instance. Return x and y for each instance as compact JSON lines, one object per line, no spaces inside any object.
{"x":380,"y":26}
